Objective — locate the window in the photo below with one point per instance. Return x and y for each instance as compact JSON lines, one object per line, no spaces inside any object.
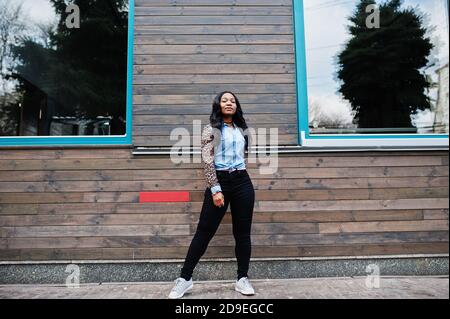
{"x":372,"y":73}
{"x":65,"y":72}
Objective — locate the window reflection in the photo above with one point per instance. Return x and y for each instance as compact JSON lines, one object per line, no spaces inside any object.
{"x":60,"y":80}
{"x":391,"y":79}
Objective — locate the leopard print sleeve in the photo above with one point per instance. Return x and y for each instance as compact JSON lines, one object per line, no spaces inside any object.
{"x":207,"y":147}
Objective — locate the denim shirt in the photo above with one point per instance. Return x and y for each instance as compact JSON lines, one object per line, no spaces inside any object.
{"x":230,"y":153}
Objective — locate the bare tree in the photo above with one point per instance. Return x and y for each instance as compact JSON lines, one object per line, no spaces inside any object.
{"x":44,"y":32}
{"x":11,"y":27}
{"x":320,"y":118}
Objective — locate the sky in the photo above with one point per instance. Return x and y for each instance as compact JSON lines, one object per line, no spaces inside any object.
{"x":38,"y":10}
{"x":326,"y":34}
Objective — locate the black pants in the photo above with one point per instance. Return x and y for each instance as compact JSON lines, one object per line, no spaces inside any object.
{"x":238,"y":191}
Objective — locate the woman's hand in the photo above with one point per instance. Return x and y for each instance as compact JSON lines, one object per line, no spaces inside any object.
{"x":219,"y":199}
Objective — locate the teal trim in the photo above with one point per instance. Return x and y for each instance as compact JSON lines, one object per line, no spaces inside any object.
{"x":91,"y":140}
{"x":129,"y":126}
{"x":302,"y":89}
{"x":63,"y":141}
{"x":372,"y":136}
{"x":301,"y":70}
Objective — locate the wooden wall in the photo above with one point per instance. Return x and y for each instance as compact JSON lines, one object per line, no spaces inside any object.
{"x":70,"y":204}
{"x":84,"y":204}
{"x":187,"y":51}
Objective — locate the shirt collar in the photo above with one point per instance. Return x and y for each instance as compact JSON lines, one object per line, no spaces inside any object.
{"x":225,"y":124}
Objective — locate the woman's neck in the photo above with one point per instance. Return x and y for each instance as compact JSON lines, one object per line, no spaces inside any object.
{"x":228,"y":120}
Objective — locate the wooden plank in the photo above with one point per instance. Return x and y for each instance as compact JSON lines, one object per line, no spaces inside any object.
{"x":344,"y":172}
{"x":37,"y":198}
{"x":236,"y":29}
{"x":437,"y":203}
{"x":211,"y":78}
{"x":339,"y":194}
{"x":94,"y":219}
{"x":357,"y":172}
{"x":332,"y":216}
{"x":101,"y":218}
{"x":156,"y":59}
{"x":38,"y":157}
{"x":211,"y":3}
{"x":177,"y":49}
{"x":100,"y":208}
{"x":215,"y":69}
{"x":58,"y":197}
{"x":271,"y":228}
{"x":252,"y":119}
{"x":80,"y":194}
{"x":155,"y":140}
{"x":385,"y":226}
{"x":110,"y":165}
{"x":372,"y":183}
{"x":235,"y":3}
{"x":214,"y":252}
{"x":88,"y":197}
{"x":195,"y":110}
{"x":224,"y":240}
{"x":129,"y":189}
{"x":215,"y":20}
{"x":20,"y":160}
{"x":213,"y":11}
{"x":93,"y":231}
{"x":436,"y":214}
{"x":194,"y":99}
{"x":215,"y":39}
{"x":51,"y":254}
{"x":182,"y":208}
{"x":211,"y":88}
{"x":160,"y":130}
{"x":262,"y":194}
{"x":355,"y":160}
{"x":92,"y":192}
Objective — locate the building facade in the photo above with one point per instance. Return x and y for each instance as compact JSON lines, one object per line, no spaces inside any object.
{"x":354,"y":174}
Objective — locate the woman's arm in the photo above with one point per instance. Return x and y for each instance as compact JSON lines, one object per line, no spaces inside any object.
{"x":207,"y":145}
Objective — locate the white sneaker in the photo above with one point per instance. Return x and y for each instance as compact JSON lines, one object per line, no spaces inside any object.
{"x":244,"y":287}
{"x":181,"y":287}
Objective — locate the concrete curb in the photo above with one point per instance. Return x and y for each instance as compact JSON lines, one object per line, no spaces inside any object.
{"x":60,"y":272}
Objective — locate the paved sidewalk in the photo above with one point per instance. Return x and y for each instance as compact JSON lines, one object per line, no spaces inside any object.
{"x":329,"y":288}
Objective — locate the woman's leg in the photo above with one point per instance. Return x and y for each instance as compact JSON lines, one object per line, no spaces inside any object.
{"x":209,"y":221}
{"x":242,"y":203}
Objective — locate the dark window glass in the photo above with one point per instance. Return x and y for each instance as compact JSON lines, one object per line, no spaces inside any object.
{"x":377,"y":70}
{"x":63,"y":67}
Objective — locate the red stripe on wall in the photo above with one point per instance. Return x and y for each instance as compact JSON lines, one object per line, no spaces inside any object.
{"x":163,"y":197}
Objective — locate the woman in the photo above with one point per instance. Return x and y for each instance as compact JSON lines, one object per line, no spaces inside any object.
{"x":223,"y":148}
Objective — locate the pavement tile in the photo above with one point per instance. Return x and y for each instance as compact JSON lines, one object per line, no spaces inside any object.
{"x":318,"y":288}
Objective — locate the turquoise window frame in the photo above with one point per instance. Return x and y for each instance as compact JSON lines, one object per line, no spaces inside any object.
{"x":302,"y":97}
{"x":125,"y":139}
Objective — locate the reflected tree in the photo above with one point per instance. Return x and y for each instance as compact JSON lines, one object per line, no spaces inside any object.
{"x":11,"y":27}
{"x":380,"y":68}
{"x":78,"y":72}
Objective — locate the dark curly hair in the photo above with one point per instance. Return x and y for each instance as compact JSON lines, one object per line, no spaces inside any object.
{"x":216,"y":117}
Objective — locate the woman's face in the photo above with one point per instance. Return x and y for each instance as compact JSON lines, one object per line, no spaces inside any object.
{"x":228,"y":104}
